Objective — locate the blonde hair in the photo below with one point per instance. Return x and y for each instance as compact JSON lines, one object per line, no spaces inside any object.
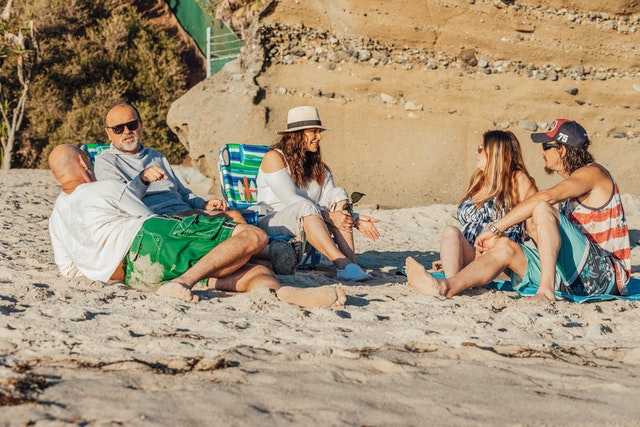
{"x":305,"y":166}
{"x":500,"y":176}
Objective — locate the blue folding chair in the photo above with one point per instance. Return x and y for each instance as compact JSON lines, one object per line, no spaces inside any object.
{"x":238,"y":165}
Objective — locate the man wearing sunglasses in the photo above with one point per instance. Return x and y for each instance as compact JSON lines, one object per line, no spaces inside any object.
{"x":578,"y":226}
{"x":148,"y":172}
{"x":101,"y":230}
{"x":129,"y":161}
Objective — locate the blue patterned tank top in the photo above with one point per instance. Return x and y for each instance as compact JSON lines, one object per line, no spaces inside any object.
{"x":473,"y":221}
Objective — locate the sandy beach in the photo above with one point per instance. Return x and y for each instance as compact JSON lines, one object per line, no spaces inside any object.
{"x":77,"y":352}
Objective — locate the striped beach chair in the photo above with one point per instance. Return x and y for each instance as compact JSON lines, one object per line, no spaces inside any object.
{"x":238,"y":165}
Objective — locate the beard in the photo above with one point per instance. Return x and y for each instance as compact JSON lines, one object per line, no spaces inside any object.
{"x":129,"y":143}
{"x":548,"y":170}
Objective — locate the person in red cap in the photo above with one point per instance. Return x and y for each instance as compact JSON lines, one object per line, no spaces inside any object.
{"x":579,"y":228}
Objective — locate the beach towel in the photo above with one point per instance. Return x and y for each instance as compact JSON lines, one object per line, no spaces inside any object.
{"x":505,"y":285}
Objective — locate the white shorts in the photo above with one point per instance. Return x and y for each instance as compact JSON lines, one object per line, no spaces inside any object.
{"x":288,"y":222}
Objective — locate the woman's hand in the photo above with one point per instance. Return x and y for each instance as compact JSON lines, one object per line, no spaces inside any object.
{"x":340,"y":220}
{"x":485,"y":241}
{"x":366,"y":225}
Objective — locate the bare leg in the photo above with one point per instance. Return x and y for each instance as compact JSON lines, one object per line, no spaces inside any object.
{"x":245,"y":279}
{"x":223,"y":260}
{"x":481,"y":271}
{"x":318,"y":235}
{"x":229,"y":256}
{"x":505,"y":254}
{"x":422,"y":281}
{"x":545,"y":223}
{"x":455,"y":251}
{"x":252,"y":277}
{"x":344,"y":240}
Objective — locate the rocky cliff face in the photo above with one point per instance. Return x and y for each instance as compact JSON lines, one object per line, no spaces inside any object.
{"x":408,"y":88}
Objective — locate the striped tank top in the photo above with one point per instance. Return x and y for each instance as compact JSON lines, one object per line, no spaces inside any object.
{"x":606,"y":226}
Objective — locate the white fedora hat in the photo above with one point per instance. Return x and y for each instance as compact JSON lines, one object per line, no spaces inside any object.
{"x":305,"y":117}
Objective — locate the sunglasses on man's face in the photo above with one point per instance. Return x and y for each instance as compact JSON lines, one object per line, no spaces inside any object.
{"x":118,"y":129}
{"x":546,"y":146}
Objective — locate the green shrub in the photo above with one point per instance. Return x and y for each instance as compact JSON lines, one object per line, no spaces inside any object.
{"x":94,"y":54}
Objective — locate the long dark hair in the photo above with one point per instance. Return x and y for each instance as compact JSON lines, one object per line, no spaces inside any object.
{"x":576,"y":157}
{"x":305,"y":166}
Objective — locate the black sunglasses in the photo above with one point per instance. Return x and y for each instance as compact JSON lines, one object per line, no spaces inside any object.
{"x":118,"y":129}
{"x":545,"y":146}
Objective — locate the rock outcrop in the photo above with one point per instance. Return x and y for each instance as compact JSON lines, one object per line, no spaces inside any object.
{"x":409,"y":87}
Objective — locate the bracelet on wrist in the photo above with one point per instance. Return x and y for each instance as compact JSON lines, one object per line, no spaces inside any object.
{"x":492,"y":228}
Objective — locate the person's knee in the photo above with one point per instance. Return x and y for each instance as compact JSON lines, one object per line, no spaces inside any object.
{"x":305,"y":208}
{"x":505,"y":249}
{"x":255,"y":238}
{"x":543,"y":212}
{"x":451,"y":232}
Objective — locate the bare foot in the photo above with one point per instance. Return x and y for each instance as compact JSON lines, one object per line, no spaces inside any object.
{"x":422,"y":281}
{"x":323,"y":296}
{"x":177,"y":290}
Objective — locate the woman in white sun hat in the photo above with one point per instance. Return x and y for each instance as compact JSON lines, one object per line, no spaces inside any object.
{"x":297,"y":188}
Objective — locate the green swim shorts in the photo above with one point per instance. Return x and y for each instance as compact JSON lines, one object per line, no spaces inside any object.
{"x":582,"y":267}
{"x":165,"y":248}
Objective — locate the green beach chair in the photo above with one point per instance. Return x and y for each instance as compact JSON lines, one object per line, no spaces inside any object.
{"x":94,"y":148}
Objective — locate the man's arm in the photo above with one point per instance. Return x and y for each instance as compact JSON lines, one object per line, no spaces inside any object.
{"x":185,"y":193}
{"x":580,"y":183}
{"x":106,"y":168}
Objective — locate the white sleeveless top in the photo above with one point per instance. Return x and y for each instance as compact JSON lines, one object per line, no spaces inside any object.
{"x":277,"y":190}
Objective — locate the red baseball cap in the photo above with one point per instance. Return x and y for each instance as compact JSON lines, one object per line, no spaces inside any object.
{"x":565,"y":132}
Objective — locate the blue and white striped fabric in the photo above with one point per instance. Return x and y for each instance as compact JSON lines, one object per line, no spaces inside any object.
{"x":238,"y":165}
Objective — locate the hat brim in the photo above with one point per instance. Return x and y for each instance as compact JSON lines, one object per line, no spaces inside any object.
{"x":540,"y":137}
{"x":282,"y":132}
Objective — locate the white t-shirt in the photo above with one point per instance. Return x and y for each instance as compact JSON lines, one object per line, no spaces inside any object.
{"x":92,"y":228}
